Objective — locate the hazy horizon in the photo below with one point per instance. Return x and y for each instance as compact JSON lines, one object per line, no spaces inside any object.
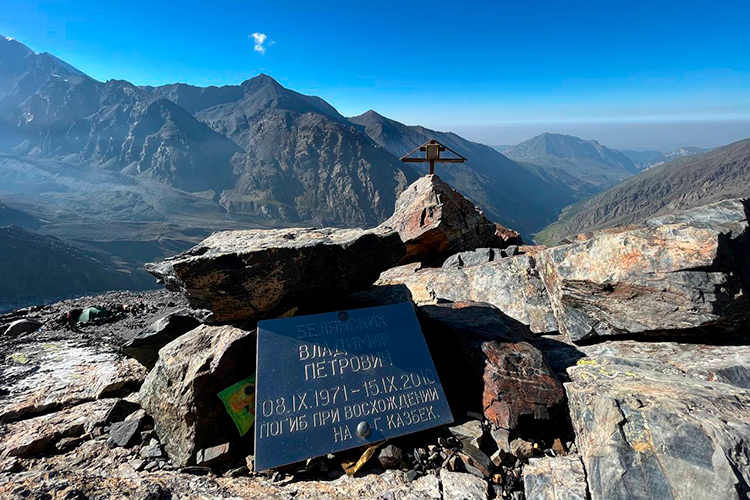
{"x":638,"y":136}
{"x":636,"y":75}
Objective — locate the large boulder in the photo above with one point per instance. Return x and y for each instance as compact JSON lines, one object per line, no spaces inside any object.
{"x":256,"y":274}
{"x":436,"y":221}
{"x":486,"y":364}
{"x":663,"y":420}
{"x":180,"y":392}
{"x":687,"y":271}
{"x":512,"y":284}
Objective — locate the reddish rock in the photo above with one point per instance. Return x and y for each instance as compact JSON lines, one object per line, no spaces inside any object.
{"x":508,"y":236}
{"x":673,"y":275}
{"x":435,"y":221}
{"x":531,"y":249}
{"x":485,"y":363}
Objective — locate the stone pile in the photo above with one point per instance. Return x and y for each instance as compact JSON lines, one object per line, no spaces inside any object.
{"x":552,"y":399}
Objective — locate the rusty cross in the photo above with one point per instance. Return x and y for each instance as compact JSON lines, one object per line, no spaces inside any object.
{"x":432,"y":150}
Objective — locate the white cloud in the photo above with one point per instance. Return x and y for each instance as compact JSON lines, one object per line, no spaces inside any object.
{"x":260,"y":40}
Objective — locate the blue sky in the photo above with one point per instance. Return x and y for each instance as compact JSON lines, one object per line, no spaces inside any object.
{"x":485,"y":69}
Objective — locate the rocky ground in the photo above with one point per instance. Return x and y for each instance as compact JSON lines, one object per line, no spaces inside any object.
{"x":614,"y":367}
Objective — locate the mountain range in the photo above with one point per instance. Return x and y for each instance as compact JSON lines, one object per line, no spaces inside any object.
{"x":647,"y":159}
{"x":259,"y":153}
{"x":687,"y":182}
{"x":132,"y":174}
{"x":584,"y":165}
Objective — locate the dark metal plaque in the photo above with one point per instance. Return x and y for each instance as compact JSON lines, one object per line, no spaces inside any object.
{"x":334,"y":381}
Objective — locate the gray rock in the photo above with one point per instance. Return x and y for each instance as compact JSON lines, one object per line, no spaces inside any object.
{"x":257,"y":274}
{"x":138,"y":464}
{"x":151,"y":451}
{"x":479,"y":256}
{"x":120,"y":411}
{"x":470,"y":432}
{"x":151,"y":467}
{"x":20,"y":326}
{"x":555,"y":478}
{"x":472,"y":258}
{"x":180,"y":391}
{"x":513,"y":285}
{"x":213,"y":455}
{"x":390,"y":457}
{"x":509,"y":251}
{"x":126,"y":433}
{"x":68,"y":443}
{"x":63,"y":373}
{"x":689,"y":271}
{"x":501,"y":438}
{"x":145,"y":346}
{"x":462,"y":486}
{"x":664,"y":420}
{"x":436,"y":221}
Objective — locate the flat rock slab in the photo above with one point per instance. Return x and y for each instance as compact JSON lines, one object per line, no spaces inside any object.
{"x":436,"y":221}
{"x":663,"y":421}
{"x":51,"y":375}
{"x":256,"y":274}
{"x":512,"y":284}
{"x":462,"y":486}
{"x":123,"y":481}
{"x":35,"y":435}
{"x":676,"y":273}
{"x":555,"y":478}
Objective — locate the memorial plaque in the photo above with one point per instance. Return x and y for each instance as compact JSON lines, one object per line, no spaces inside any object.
{"x":334,"y":381}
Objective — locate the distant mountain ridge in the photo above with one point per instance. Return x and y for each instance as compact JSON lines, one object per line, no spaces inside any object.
{"x":269,"y":154}
{"x":585,"y":165}
{"x":301,"y":159}
{"x":58,"y":111}
{"x":686,"y":182}
{"x":647,"y":159}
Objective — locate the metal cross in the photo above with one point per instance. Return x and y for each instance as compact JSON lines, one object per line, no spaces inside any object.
{"x":432,"y":150}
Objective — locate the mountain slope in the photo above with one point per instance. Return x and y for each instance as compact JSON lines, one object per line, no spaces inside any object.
{"x":12,"y":217}
{"x":36,"y":267}
{"x":688,"y":182}
{"x":508,"y":192}
{"x":586,"y":166}
{"x":302,"y":160}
